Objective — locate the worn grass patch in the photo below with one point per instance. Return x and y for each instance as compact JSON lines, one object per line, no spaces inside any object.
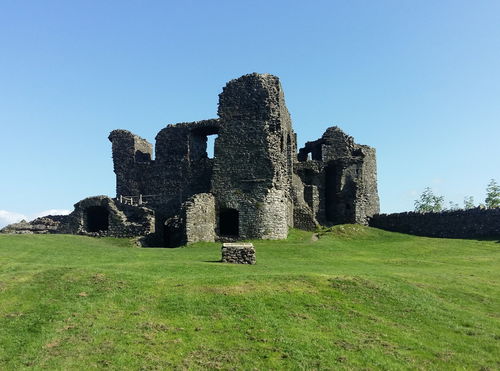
{"x":353,"y":298}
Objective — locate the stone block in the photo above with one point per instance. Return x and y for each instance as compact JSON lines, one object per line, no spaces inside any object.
{"x":238,"y":253}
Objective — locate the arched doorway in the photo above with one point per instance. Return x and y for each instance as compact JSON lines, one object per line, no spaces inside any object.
{"x":97,"y":219}
{"x":173,"y":232}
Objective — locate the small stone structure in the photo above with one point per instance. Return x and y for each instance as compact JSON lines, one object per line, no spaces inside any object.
{"x":256,"y":186}
{"x":238,"y":253}
{"x":104,"y":216}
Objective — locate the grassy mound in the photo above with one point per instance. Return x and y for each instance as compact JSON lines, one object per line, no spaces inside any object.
{"x":356,"y":297}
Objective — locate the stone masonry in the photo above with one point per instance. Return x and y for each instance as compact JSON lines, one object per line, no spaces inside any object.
{"x":471,"y":223}
{"x":340,"y":179}
{"x":238,"y":253}
{"x":256,"y":185}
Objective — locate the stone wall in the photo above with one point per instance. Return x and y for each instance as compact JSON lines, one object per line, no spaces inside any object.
{"x":103,"y":216}
{"x":180,"y":169}
{"x":340,"y":178}
{"x":200,"y":218}
{"x":473,"y":223}
{"x":304,"y":207}
{"x":43,"y":225}
{"x":194,"y":222}
{"x":131,"y":159}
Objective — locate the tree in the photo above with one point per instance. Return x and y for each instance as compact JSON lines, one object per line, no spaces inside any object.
{"x":429,"y":202}
{"x":492,"y":194}
{"x":468,"y":202}
{"x":453,"y":206}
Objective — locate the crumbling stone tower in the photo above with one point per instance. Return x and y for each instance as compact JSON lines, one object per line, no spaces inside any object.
{"x":252,"y":175}
{"x":256,"y":186}
{"x":340,"y":178}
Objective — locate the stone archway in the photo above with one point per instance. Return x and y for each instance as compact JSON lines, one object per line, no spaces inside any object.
{"x":97,"y":218}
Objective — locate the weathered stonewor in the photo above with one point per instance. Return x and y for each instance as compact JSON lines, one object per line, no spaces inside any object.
{"x":238,"y":253}
{"x":43,"y":225}
{"x":340,"y":178}
{"x":195,"y":222}
{"x":472,"y":223}
{"x":103,"y":216}
{"x":254,"y":153}
{"x":255,"y":186}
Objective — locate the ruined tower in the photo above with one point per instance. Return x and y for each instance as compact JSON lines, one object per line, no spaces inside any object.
{"x":254,"y":159}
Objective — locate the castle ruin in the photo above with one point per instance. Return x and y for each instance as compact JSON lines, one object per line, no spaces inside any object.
{"x":256,"y":186}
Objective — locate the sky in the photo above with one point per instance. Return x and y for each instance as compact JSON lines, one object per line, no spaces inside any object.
{"x":419,"y":80}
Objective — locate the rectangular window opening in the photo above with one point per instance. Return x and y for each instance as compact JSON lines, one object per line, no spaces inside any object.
{"x":211,"y":145}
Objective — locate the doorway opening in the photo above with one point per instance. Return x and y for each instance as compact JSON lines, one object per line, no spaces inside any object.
{"x":331,"y":199}
{"x":172,"y":237}
{"x":229,"y":222}
{"x":97,"y":219}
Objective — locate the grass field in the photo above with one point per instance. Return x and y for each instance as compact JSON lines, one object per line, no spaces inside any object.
{"x":357,"y":298}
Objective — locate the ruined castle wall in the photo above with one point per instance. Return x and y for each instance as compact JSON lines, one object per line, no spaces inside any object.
{"x":343,"y":174}
{"x":172,"y":169}
{"x":42,"y":225}
{"x":200,"y":218}
{"x":311,"y":174}
{"x":253,"y":164}
{"x":119,"y":220}
{"x":367,"y":200}
{"x":181,"y":167}
{"x":343,"y":164}
{"x":131,"y":160}
{"x":473,"y":223}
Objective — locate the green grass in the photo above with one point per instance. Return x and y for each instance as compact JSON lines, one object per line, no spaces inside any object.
{"x":358,"y":298}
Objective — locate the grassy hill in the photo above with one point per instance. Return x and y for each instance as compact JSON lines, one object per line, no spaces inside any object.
{"x":356,"y":298}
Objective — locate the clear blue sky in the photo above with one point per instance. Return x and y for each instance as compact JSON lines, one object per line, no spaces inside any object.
{"x":418,"y":80}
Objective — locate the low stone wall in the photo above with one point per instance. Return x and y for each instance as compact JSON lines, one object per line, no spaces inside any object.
{"x":238,"y":253}
{"x":44,"y":225}
{"x":473,"y":223}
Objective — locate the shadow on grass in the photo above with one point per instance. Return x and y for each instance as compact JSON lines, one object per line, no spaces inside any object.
{"x":487,"y":239}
